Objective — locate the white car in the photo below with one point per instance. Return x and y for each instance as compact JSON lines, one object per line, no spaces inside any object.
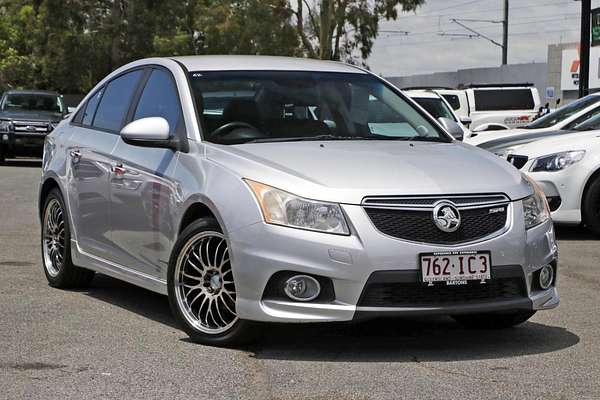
{"x":568,"y":170}
{"x":564,"y":118}
{"x":457,"y":99}
{"x":501,"y":107}
{"x":437,"y":106}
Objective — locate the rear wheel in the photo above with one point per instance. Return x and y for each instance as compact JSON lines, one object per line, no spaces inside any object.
{"x":494,"y":320}
{"x":590,"y":209}
{"x":202,"y":291}
{"x":56,"y":246}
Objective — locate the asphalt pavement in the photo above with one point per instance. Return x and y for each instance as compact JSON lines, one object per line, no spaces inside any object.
{"x":116,"y":341}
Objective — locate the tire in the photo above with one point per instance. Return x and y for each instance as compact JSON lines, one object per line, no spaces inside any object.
{"x":590,"y":209}
{"x":56,"y":246}
{"x":201,"y":287}
{"x":500,"y":320}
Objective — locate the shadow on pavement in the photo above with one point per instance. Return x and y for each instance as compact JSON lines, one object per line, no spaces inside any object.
{"x":148,"y":304}
{"x":566,"y":232}
{"x":408,"y":340}
{"x":21,"y":162}
{"x":379,"y":340}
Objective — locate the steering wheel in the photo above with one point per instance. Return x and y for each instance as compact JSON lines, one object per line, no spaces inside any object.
{"x":230,"y":126}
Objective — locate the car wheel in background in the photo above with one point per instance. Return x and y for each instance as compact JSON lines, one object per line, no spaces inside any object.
{"x":499,"y":320}
{"x":590,"y":209}
{"x":56,"y":246}
{"x":202,"y":291}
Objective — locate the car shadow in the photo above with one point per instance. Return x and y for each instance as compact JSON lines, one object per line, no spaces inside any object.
{"x":408,"y":340}
{"x":397,"y":340}
{"x":573,"y":232}
{"x":23,"y":162}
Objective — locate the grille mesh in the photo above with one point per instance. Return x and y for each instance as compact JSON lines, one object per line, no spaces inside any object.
{"x":418,"y":226}
{"x":417,"y":294}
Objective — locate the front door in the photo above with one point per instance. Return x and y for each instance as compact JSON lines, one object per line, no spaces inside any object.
{"x":143,"y":190}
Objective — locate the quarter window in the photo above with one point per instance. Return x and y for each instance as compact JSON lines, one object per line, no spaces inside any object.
{"x":115,"y":102}
{"x":90,"y":108}
{"x":160,"y":99}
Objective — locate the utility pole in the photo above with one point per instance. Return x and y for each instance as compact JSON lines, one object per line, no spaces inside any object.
{"x":584,"y":56}
{"x":505,"y":34}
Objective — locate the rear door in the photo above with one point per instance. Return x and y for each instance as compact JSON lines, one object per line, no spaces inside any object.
{"x":144,"y":191}
{"x":95,"y":136}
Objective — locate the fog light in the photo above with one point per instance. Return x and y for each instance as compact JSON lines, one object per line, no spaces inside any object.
{"x":302,"y":288}
{"x":546,"y":276}
{"x":5,"y":137}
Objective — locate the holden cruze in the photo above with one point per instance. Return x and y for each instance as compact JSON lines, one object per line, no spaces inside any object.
{"x":264,"y":189}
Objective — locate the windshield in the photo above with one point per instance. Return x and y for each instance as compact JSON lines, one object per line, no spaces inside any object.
{"x":271,"y":106}
{"x":436,"y":107}
{"x":33,"y":102}
{"x":563,"y":113}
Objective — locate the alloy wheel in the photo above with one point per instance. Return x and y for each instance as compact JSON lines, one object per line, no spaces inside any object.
{"x":54,"y":237}
{"x":204,"y":286}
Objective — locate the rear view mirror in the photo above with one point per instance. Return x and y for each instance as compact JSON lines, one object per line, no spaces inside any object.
{"x":452,"y":128}
{"x":149,"y":132}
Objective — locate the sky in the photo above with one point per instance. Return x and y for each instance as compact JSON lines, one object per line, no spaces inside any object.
{"x":533,"y":25}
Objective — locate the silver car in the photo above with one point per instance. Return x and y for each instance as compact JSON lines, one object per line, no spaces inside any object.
{"x":264,"y":189}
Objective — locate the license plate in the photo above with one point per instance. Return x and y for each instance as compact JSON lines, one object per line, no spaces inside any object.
{"x":456,"y":267}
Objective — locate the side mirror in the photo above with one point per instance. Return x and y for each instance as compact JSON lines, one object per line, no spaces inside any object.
{"x":452,"y":128}
{"x":149,"y":132}
{"x":466,"y":121}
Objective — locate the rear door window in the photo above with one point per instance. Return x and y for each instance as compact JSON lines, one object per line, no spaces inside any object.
{"x":503,"y":99}
{"x":116,"y":100}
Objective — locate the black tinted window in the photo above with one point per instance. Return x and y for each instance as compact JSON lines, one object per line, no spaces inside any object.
{"x":453,"y":100}
{"x":503,"y":99}
{"x":115,"y":102}
{"x":90,"y":107}
{"x":160,"y":99}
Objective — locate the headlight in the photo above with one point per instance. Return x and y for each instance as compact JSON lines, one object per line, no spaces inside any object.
{"x":557,"y":162}
{"x":283,"y":208}
{"x":4,"y":126}
{"x":535,"y":207}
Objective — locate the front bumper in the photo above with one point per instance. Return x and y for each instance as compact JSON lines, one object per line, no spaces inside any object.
{"x":259,"y":251}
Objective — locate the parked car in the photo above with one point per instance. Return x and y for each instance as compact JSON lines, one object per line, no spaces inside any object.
{"x":504,"y":147}
{"x":438,"y":107}
{"x":26,"y":117}
{"x":568,"y":170}
{"x":285,"y":206}
{"x":564,"y":118}
{"x":499,"y":107}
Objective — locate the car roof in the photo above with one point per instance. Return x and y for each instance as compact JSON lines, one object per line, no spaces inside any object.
{"x":426,"y":94}
{"x":44,"y":92}
{"x":266,"y":63}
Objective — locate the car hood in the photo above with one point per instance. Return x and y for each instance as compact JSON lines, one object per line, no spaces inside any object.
{"x":486,"y":136}
{"x":576,"y":141}
{"x":37,"y":116}
{"x":501,"y":144}
{"x":347,"y":171}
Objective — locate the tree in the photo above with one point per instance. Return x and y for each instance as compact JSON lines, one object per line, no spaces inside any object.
{"x":339,"y":29}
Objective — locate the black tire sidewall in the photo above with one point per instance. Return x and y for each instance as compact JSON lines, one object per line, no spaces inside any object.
{"x":590,"y":200}
{"x":240,"y":332}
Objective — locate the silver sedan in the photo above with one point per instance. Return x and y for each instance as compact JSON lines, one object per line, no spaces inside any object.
{"x":265,"y":189}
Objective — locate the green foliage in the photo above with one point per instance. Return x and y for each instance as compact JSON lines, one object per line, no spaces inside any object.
{"x":69,"y":45}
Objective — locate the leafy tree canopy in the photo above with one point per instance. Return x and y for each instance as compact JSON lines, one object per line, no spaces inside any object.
{"x":69,"y":45}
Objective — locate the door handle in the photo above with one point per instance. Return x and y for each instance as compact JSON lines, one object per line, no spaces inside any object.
{"x":75,"y":154}
{"x":118,"y":170}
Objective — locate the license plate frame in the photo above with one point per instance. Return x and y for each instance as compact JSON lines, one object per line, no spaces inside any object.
{"x":454,"y":268}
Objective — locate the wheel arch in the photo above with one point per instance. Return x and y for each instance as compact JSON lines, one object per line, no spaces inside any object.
{"x":194,"y":211}
{"x":49,"y":184}
{"x":590,"y":179}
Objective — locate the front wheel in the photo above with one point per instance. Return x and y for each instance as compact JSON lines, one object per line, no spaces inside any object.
{"x":494,"y":320}
{"x":202,"y":291}
{"x":590,"y":209}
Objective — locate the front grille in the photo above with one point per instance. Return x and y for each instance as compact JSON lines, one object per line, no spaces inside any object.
{"x":380,"y":292}
{"x":31,"y":127}
{"x":518,"y":161}
{"x":429,"y":201}
{"x":418,"y":226}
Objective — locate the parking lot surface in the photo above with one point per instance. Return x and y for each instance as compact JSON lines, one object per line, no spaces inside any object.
{"x":114,"y":340}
